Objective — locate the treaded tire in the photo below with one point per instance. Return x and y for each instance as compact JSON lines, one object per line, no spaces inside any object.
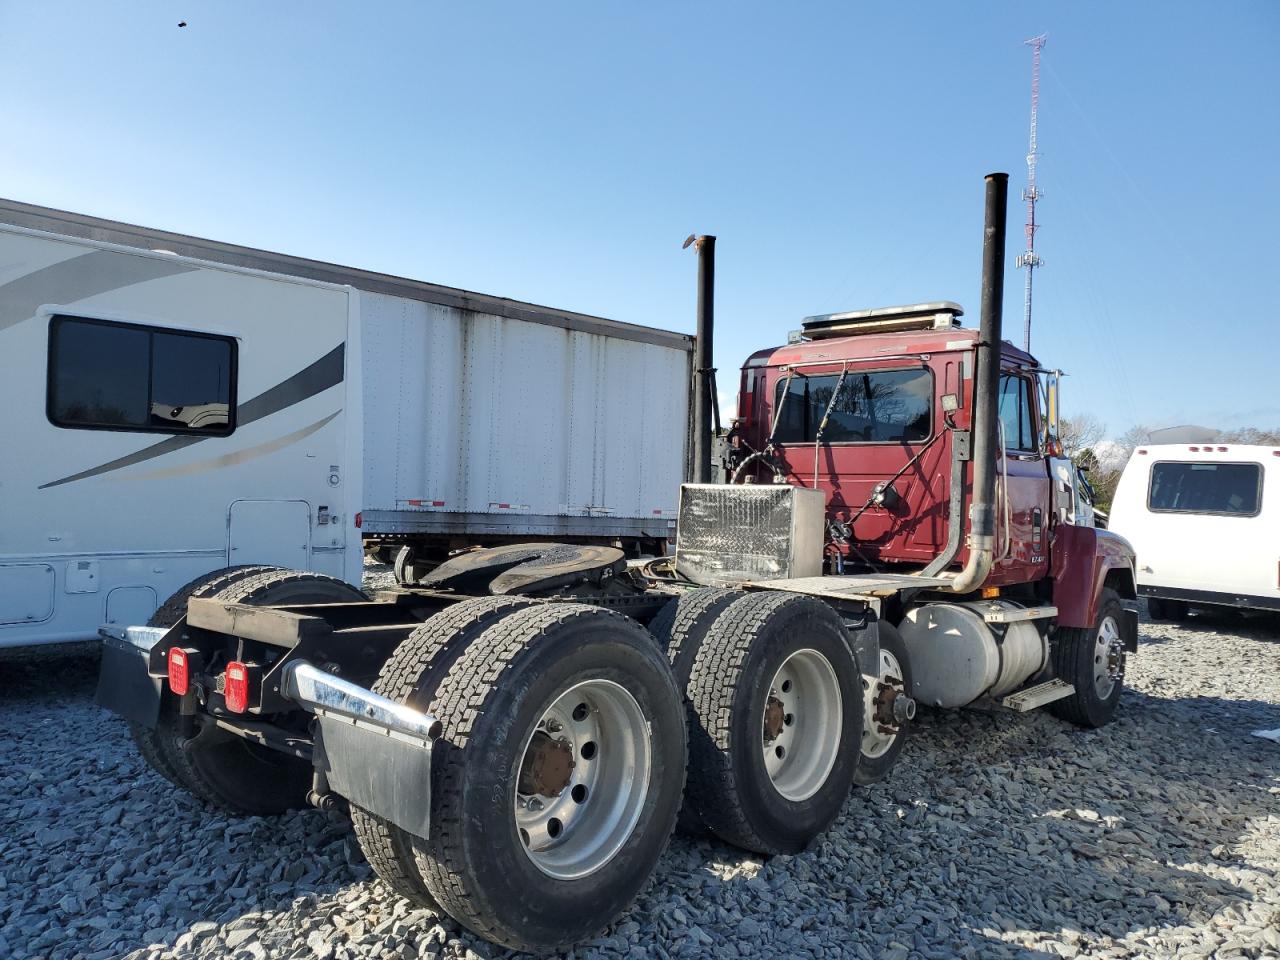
{"x":1072,"y":654}
{"x":411,"y":676}
{"x":157,"y":744}
{"x":400,"y":564}
{"x":680,"y":628}
{"x":229,"y":772}
{"x":729,"y":685}
{"x":474,"y":863}
{"x":1162,"y":609}
{"x":874,"y":769}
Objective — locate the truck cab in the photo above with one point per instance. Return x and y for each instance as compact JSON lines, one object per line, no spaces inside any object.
{"x":875,"y":408}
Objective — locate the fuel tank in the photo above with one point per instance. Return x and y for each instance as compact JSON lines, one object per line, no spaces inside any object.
{"x":957,"y":657}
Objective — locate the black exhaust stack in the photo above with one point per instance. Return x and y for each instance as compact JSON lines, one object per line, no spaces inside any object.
{"x":703,"y":394}
{"x":986,"y":444}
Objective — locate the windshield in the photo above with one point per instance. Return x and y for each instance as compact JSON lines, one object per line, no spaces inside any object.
{"x":884,"y":406}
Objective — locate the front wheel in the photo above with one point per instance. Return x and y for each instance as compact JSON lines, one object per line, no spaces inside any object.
{"x":1092,"y":660}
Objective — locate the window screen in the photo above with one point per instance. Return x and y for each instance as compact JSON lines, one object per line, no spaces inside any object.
{"x":118,"y":376}
{"x":1015,"y":413}
{"x":1218,"y":488}
{"x":889,"y":406}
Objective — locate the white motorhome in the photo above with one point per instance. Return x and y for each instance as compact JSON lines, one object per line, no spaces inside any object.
{"x":1204,"y":520}
{"x":176,"y":405}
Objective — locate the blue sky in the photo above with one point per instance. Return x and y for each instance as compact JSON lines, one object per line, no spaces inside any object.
{"x":560,"y":153}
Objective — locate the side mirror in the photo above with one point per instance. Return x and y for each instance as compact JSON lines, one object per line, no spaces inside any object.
{"x":1049,"y":385}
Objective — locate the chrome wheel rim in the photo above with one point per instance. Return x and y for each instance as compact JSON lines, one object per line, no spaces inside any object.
{"x":582,"y":779}
{"x":875,"y":742}
{"x":802,"y":725}
{"x":1108,"y":658}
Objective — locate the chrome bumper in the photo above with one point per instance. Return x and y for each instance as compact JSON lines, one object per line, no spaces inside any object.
{"x":372,"y":750}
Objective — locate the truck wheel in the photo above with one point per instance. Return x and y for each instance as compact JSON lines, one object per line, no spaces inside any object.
{"x":884,"y":730}
{"x":680,"y":629}
{"x":228,"y":771}
{"x":778,"y":696}
{"x":1092,"y":660}
{"x":1162,"y":609}
{"x":411,"y":677}
{"x":404,"y":558}
{"x":557,"y":778}
{"x":156,"y":744}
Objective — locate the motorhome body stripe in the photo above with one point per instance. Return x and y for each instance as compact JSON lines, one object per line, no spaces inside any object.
{"x":87,"y":275}
{"x":321,"y":375}
{"x":231,"y":459}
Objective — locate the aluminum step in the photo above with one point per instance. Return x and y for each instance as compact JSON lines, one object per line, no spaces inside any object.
{"x":1038,"y":696}
{"x":996,"y":613}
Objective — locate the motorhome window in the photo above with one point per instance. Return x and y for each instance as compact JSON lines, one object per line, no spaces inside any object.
{"x":120,"y":376}
{"x":1224,"y":489}
{"x":1015,"y":413}
{"x":886,"y":406}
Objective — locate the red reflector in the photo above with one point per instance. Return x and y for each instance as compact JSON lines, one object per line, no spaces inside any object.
{"x":236,"y":689}
{"x":1222,"y":449}
{"x":179,"y":671}
{"x":359,"y":520}
{"x":1195,"y":449}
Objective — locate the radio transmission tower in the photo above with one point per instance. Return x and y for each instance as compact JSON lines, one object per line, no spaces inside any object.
{"x":1031,"y":194}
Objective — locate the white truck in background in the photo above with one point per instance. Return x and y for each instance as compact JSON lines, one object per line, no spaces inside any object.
{"x":174,"y":406}
{"x":1204,"y":520}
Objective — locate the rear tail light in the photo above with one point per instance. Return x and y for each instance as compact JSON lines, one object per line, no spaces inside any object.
{"x":359,"y":520}
{"x":236,"y":688}
{"x":179,"y":671}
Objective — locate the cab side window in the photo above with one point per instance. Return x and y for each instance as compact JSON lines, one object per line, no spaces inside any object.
{"x":1015,"y":414}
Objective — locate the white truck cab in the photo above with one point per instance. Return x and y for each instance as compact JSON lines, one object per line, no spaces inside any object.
{"x":1204,"y":520}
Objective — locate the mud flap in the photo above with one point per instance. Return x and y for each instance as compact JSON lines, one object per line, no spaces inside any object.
{"x":1129,"y":625}
{"x":384,"y":772}
{"x":125,"y":687}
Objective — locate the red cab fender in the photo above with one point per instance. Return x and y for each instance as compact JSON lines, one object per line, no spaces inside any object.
{"x":1086,"y":559}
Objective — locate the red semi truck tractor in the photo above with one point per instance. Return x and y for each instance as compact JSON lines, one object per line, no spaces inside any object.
{"x":517,"y":731}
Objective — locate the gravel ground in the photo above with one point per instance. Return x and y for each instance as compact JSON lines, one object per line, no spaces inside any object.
{"x":997,"y":836}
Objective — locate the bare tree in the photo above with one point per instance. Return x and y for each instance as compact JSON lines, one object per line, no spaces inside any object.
{"x":1265,"y":438}
{"x":1079,"y":433}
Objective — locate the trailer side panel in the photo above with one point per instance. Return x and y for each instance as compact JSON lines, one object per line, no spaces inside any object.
{"x":486,"y":424}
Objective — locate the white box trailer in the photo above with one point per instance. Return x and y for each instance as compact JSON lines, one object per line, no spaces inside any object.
{"x":176,"y":405}
{"x":1204,"y":521}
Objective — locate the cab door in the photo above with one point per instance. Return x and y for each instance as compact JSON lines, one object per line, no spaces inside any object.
{"x":1022,"y":497}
